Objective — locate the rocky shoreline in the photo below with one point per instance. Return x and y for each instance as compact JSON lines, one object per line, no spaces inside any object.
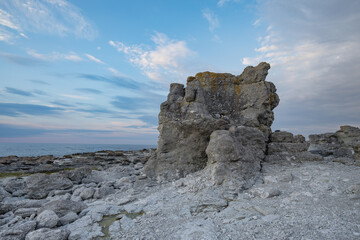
{"x":219,"y":172}
{"x":107,"y":196}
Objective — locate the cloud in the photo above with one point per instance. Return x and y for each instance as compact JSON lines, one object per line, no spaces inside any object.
{"x":39,"y":92}
{"x":20,"y":60}
{"x":89,"y":90}
{"x":223,"y":2}
{"x":127,"y":103}
{"x":211,"y":18}
{"x":60,"y":103}
{"x":56,"y":17}
{"x":160,"y":63}
{"x":94,"y":59}
{"x":313,"y":48}
{"x":75,"y":97}
{"x":39,"y":82}
{"x":115,"y":80}
{"x":18,"y":92}
{"x":17,"y":109}
{"x":54,"y":56}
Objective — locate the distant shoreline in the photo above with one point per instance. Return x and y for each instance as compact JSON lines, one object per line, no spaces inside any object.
{"x":61,"y":149}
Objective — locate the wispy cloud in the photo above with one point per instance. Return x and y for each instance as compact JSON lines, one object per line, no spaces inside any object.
{"x":89,"y":90}
{"x":39,"y":82}
{"x":313,"y":48}
{"x":94,"y":59}
{"x":20,"y":60}
{"x":114,"y":80}
{"x":57,"y":17}
{"x":75,"y":97}
{"x":54,"y":56}
{"x":221,"y":3}
{"x":18,"y":92}
{"x":128,"y":103}
{"x":159,"y":63}
{"x":211,"y":18}
{"x":17,"y":109}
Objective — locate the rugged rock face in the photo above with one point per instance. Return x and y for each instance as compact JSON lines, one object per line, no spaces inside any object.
{"x":210,"y":102}
{"x":344,"y":143}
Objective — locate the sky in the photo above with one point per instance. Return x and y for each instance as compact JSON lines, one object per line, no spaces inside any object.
{"x":91,"y":71}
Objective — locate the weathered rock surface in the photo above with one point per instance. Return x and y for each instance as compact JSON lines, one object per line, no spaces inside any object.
{"x":209,"y":102}
{"x":344,"y":143}
{"x":234,"y":156}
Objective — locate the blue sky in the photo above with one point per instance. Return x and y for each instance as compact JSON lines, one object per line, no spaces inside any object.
{"x":96,"y":71}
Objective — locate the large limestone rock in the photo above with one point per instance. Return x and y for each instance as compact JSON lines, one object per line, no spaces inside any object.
{"x":210,"y":102}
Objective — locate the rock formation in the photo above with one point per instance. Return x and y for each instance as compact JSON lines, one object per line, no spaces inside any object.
{"x":343,"y":144}
{"x":285,"y":146}
{"x":210,"y":102}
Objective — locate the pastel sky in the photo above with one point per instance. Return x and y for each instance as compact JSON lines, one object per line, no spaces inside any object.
{"x":82,"y":71}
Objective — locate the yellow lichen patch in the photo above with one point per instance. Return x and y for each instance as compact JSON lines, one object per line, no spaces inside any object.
{"x":213,"y":84}
{"x":190,"y":79}
{"x":237,"y":80}
{"x":237,"y":89}
{"x":13,"y":174}
{"x":272,"y":98}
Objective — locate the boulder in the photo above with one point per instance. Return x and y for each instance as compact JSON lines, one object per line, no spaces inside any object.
{"x":3,"y":193}
{"x":47,"y":219}
{"x":14,"y":184}
{"x":210,"y":102}
{"x":87,"y":193}
{"x":17,"y":231}
{"x":103,"y":191}
{"x":78,"y":174}
{"x":40,"y":185}
{"x":48,"y":234}
{"x":62,"y":207}
{"x":68,"y":218}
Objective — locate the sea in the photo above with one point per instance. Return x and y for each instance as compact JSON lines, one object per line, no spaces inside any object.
{"x":60,"y":149}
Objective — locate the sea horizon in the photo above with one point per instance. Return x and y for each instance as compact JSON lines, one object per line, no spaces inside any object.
{"x":61,"y":149}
